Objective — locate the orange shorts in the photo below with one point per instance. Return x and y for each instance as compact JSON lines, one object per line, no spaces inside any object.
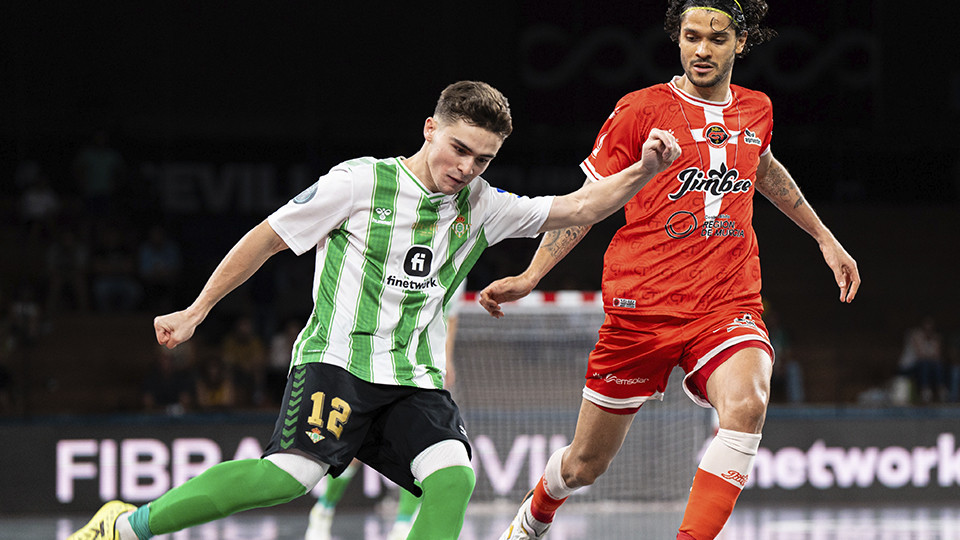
{"x":636,"y":354}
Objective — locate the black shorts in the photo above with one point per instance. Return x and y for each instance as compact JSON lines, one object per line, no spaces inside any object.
{"x":334,"y":416}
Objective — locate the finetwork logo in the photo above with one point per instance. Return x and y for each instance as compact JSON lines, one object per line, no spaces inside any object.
{"x":410,"y":284}
{"x":826,"y":467}
{"x":418,"y":261}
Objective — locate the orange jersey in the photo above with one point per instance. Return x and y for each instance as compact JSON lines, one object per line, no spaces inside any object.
{"x":688,"y":246}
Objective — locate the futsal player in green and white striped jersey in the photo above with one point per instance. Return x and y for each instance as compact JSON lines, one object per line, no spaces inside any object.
{"x":393,"y":239}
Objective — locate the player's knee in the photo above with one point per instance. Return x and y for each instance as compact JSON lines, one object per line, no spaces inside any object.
{"x":450,"y":482}
{"x":745,"y":413}
{"x":579,"y":472}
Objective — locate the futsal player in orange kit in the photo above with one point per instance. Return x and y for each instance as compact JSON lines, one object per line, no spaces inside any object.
{"x":681,"y":280}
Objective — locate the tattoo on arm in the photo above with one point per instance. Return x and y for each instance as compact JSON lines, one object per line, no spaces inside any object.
{"x":778,"y":186}
{"x":558,"y":243}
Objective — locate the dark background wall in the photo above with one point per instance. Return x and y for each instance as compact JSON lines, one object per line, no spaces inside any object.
{"x":223,"y":110}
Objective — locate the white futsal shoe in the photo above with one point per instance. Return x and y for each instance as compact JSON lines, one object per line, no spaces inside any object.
{"x":521,"y":528}
{"x":400,"y":530}
{"x":321,"y":521}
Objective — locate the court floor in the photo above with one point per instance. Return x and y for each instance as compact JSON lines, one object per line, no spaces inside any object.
{"x":575,"y":522}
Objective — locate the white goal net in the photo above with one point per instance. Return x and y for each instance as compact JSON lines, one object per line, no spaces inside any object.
{"x":519,"y":382}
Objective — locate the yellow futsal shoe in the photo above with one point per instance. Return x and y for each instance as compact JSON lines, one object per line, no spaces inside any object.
{"x":103,"y":524}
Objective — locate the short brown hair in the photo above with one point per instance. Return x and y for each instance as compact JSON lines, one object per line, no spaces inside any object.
{"x":476,"y":103}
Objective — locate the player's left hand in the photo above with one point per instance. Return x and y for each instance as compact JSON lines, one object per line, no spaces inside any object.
{"x":506,"y":289}
{"x":844,"y":268}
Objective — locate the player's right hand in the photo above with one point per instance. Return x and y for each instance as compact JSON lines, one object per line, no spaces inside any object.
{"x":507,"y":289}
{"x":173,"y":329}
{"x":658,"y":152}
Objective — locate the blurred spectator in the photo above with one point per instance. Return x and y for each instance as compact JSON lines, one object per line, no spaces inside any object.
{"x":245,"y":354}
{"x":281,"y":347}
{"x":953,"y":364}
{"x":99,"y":171}
{"x":26,"y":171}
{"x":922,"y":361}
{"x":113,"y":272}
{"x":215,"y":387}
{"x":786,"y":385}
{"x":159,"y":264}
{"x":6,"y":388}
{"x":67,"y":270}
{"x":8,"y":344}
{"x":168,"y":386}
{"x":6,"y":376}
{"x":39,"y":208}
{"x":26,"y":316}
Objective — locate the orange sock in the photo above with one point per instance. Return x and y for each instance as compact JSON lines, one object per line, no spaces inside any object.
{"x":543,"y":506}
{"x":710,"y":504}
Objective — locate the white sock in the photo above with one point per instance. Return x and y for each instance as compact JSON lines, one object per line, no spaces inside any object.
{"x":553,"y":482}
{"x":730,"y":456}
{"x":124,"y":530}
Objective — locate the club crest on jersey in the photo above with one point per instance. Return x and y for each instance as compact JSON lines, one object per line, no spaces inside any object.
{"x":460,"y":226}
{"x":314,"y":435}
{"x":750,"y":137}
{"x":383,"y":215}
{"x":716,"y":135}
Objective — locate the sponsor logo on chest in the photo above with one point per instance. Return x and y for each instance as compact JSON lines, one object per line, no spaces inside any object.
{"x":717,"y":182}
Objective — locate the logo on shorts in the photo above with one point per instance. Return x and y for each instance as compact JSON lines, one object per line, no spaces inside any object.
{"x":628,"y":303}
{"x":315,"y":435}
{"x":463,"y":430}
{"x":745,"y":320}
{"x":611,"y":378}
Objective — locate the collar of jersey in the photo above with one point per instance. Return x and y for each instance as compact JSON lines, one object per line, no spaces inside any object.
{"x":436,"y":198}
{"x":697,"y":101}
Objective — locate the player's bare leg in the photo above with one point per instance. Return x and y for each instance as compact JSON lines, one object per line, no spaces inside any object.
{"x":739,"y":389}
{"x":598,"y":438}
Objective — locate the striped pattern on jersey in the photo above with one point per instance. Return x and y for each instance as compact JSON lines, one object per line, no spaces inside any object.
{"x":390,"y":255}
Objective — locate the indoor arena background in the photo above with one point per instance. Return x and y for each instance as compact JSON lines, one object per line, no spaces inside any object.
{"x":208,"y":116}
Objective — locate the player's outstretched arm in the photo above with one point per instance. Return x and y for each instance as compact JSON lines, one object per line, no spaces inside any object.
{"x":572,"y":215}
{"x":553,"y":248}
{"x":248,"y":255}
{"x":597,"y":200}
{"x":776,"y":184}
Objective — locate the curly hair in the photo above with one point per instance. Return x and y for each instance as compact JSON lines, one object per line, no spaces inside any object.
{"x":747,"y":16}
{"x":476,"y":103}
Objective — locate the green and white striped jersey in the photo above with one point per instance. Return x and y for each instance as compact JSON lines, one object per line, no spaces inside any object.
{"x":390,"y":255}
